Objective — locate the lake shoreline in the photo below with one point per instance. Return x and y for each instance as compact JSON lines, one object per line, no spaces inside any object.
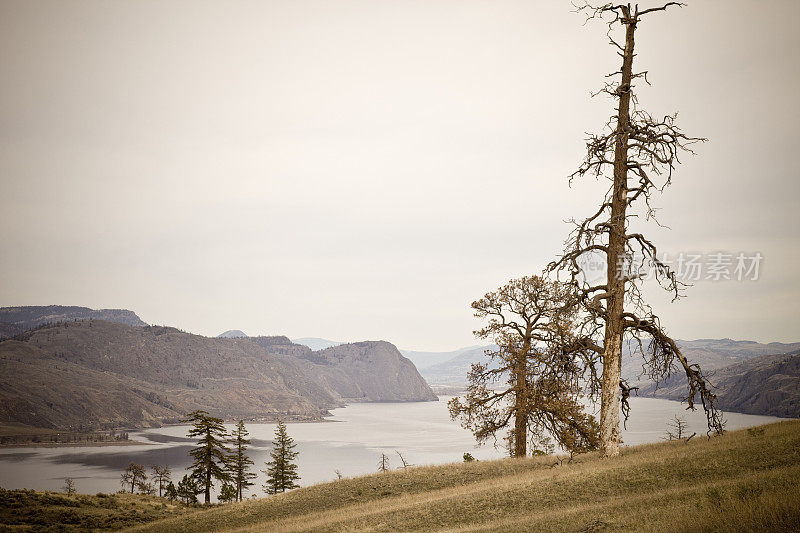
{"x":83,"y":444}
{"x":423,"y":432}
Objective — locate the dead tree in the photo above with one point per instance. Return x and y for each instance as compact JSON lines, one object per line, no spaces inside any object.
{"x":677,"y":428}
{"x":161,"y":477}
{"x":383,"y":463}
{"x":403,"y":460}
{"x":637,"y":153}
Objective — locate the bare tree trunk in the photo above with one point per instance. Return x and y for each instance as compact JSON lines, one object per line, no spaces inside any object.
{"x":521,"y":409}
{"x":612,"y":357}
{"x":208,"y":486}
{"x":645,"y":148}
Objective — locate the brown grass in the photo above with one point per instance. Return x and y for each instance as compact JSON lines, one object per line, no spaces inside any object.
{"x":739,"y":482}
{"x":29,"y":510}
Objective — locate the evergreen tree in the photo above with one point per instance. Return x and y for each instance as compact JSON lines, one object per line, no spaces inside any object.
{"x":228,"y":493}
{"x":281,"y":471}
{"x":187,"y":489}
{"x":211,"y":454}
{"x":239,"y":463}
{"x":171,"y":493}
{"x":69,"y":485}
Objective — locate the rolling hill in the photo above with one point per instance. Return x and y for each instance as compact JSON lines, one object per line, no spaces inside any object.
{"x":15,"y":320}
{"x":760,"y":385}
{"x":94,"y":374}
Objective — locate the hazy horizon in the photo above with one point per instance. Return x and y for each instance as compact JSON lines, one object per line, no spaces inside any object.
{"x":365,"y":169}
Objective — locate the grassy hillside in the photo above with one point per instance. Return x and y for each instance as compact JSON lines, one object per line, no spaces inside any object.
{"x":28,"y":510}
{"x":745,"y":480}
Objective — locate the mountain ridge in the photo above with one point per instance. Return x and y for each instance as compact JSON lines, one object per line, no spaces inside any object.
{"x":16,"y":320}
{"x":762,"y":385}
{"x":172,"y":372}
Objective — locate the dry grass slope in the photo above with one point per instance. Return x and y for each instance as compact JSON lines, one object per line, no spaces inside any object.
{"x":743,"y":481}
{"x":28,"y":510}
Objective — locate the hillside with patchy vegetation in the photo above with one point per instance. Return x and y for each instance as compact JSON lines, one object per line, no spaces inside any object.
{"x":761,"y":385}
{"x":15,"y":320}
{"x":93,"y":374}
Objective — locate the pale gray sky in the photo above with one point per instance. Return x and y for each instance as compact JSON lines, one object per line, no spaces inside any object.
{"x":365,"y":169}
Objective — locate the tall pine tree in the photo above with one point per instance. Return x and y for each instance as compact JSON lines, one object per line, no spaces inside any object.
{"x":281,"y":471}
{"x":239,"y":463}
{"x":211,"y":454}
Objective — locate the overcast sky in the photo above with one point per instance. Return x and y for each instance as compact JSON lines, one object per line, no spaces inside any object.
{"x":365,"y":169}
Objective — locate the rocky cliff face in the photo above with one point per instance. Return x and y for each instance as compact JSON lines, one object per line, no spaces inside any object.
{"x":97,"y":373}
{"x":373,"y":371}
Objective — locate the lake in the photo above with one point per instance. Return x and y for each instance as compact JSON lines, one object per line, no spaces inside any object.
{"x":351,"y":442}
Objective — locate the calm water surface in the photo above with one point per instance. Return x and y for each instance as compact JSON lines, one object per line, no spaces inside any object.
{"x":350,"y":442}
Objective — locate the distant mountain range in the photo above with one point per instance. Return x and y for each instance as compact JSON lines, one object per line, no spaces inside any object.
{"x":710,"y":354}
{"x":94,"y":374}
{"x":430,"y":359}
{"x":232,"y":334}
{"x":316,"y":343}
{"x":66,"y":367}
{"x":422,"y":360}
{"x":749,"y":377}
{"x":760,"y":385}
{"x":453,"y":371}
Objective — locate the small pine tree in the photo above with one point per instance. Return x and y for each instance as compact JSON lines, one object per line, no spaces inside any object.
{"x":281,"y":471}
{"x":171,"y":493}
{"x":228,"y":493}
{"x":210,"y":455}
{"x":147,"y":487}
{"x":69,"y":485}
{"x":239,"y":463}
{"x":188,"y":490}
